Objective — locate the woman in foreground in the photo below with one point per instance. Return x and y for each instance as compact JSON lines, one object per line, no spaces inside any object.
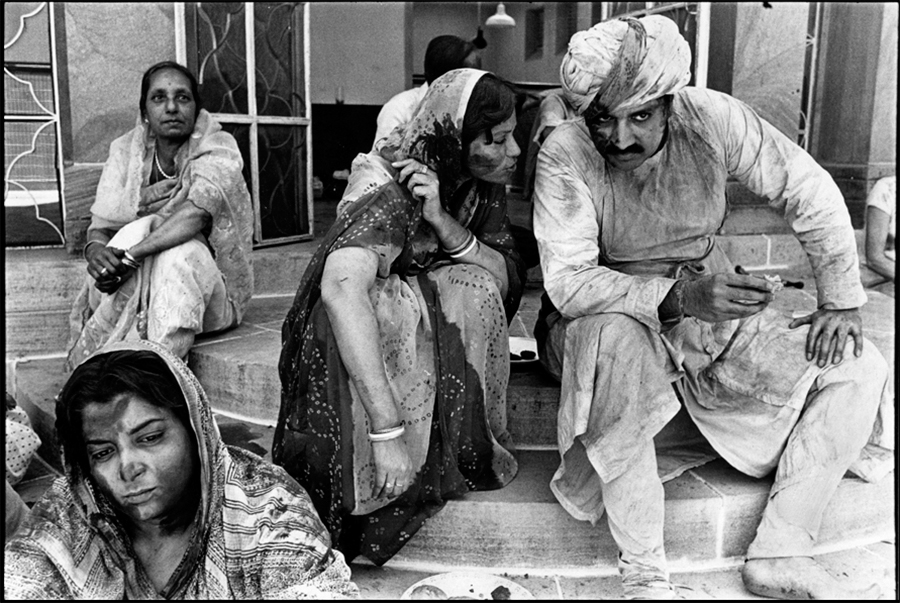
{"x":154,"y":505}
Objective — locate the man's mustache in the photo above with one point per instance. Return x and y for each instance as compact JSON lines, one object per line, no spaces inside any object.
{"x":614,"y":150}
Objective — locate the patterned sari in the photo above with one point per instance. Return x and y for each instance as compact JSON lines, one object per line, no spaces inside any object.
{"x":200,"y":286}
{"x":444,"y":341}
{"x":256,"y":535}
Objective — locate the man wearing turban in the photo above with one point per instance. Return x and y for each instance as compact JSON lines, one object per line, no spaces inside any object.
{"x":651,"y":319}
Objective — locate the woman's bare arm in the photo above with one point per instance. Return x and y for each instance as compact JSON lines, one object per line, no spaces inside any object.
{"x":348,"y":276}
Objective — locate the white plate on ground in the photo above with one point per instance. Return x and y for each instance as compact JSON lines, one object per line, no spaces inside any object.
{"x":471,"y":585}
{"x":517,"y":345}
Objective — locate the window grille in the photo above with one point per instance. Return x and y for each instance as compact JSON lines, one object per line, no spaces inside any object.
{"x":251,"y":61}
{"x":33,"y":207}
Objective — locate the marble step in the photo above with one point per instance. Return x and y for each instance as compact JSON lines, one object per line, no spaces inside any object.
{"x":41,"y":284}
{"x":711,"y":511}
{"x":239,"y":370}
{"x":711,"y":517}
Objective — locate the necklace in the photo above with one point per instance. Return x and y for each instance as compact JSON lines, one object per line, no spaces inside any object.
{"x":159,"y":167}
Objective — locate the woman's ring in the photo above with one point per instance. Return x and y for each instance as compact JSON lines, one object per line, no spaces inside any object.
{"x":423,"y":169}
{"x":103,"y":272}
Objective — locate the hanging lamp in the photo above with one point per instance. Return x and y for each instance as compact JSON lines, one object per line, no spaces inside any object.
{"x":500,"y":18}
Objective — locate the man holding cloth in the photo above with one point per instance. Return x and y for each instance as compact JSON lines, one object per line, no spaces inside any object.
{"x":648,"y":314}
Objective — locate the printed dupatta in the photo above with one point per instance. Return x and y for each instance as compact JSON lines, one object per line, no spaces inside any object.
{"x":389,"y":221}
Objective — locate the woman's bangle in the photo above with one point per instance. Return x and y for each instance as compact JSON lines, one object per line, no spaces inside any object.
{"x":86,"y":245}
{"x":469,"y":247}
{"x":129,"y":261}
{"x":461,"y":246}
{"x":387,"y":434}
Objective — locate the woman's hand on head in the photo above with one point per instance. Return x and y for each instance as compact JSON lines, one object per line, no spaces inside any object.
{"x":154,"y":196}
{"x":423,"y":183}
{"x":106,"y":267}
{"x":394,"y":472}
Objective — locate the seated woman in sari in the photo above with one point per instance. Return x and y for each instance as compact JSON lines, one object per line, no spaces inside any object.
{"x":170,"y":237}
{"x":395,"y":355}
{"x":154,"y":505}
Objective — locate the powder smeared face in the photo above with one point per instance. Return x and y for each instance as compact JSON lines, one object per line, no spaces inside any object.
{"x":495,"y":161}
{"x":140,"y":456}
{"x":626,"y":139}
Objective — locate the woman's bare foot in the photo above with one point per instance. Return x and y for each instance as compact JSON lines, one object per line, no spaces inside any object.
{"x":799,"y":578}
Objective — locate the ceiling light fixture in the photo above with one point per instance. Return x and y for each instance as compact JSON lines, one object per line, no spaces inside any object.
{"x":500,"y":18}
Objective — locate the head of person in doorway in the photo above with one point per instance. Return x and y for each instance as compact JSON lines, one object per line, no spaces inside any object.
{"x":445,"y":53}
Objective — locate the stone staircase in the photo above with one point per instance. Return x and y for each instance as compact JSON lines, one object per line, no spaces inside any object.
{"x":712,"y":511}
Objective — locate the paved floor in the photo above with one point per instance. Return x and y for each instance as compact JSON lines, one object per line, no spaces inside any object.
{"x":864,"y":565}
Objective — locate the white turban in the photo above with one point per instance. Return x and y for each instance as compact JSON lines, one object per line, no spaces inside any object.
{"x":624,"y":63}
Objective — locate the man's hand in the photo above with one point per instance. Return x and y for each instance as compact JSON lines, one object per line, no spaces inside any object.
{"x":828,"y":333}
{"x":724,"y":296}
{"x":154,"y":196}
{"x":393,"y":470}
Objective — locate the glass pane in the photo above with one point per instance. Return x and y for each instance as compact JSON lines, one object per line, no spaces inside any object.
{"x":31,"y":196}
{"x":280,"y":80}
{"x":222,"y":56}
{"x":282,"y":177}
{"x":27,"y":91}
{"x":26,"y":38}
{"x":282,"y":181}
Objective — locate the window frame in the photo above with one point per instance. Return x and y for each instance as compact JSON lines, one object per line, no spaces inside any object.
{"x":254,"y":120}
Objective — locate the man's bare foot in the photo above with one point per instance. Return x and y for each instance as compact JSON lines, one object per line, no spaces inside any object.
{"x":799,"y":578}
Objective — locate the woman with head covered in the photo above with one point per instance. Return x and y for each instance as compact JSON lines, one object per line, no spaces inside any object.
{"x":396,"y":353}
{"x":154,"y":505}
{"x":168,"y":249}
{"x":644,"y":311}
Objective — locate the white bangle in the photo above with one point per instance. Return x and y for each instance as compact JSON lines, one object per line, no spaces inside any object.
{"x":390,"y":434}
{"x":460,"y":247}
{"x":465,"y":249}
{"x":129,"y":261}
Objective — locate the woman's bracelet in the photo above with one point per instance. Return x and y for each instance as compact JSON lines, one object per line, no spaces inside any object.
{"x":86,"y":245}
{"x":129,"y":261}
{"x":461,"y":246}
{"x":470,"y":245}
{"x":387,"y":434}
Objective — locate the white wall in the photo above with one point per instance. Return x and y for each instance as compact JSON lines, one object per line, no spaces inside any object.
{"x":769,"y":54}
{"x":505,"y":54}
{"x":361,"y":47}
{"x":884,"y":130}
{"x":432,"y":19}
